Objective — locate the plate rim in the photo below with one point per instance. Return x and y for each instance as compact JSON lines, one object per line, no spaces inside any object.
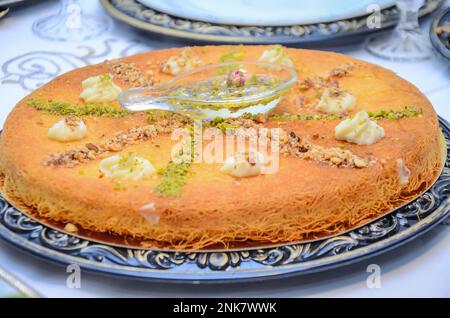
{"x":329,"y":30}
{"x":435,"y":40}
{"x":207,"y":273}
{"x":158,"y":7}
{"x":13,"y":3}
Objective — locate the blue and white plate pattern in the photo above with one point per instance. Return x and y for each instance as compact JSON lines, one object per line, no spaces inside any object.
{"x":134,"y":13}
{"x":266,"y":12}
{"x":257,"y":263}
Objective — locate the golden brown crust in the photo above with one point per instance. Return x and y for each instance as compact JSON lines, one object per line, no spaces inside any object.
{"x":303,"y":199}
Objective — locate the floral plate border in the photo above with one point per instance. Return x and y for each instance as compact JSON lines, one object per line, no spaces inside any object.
{"x":438,"y":43}
{"x":135,"y":14}
{"x":381,"y":235}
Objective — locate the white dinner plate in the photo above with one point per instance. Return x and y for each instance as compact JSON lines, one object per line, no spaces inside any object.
{"x":265,"y":12}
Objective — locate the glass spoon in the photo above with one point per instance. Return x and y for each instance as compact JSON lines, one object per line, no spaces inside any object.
{"x":216,"y":90}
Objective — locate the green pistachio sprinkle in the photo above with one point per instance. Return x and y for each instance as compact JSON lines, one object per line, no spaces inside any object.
{"x":117,"y":186}
{"x":407,"y":112}
{"x":229,"y":57}
{"x":223,"y":124}
{"x":174,"y":177}
{"x":153,"y":116}
{"x":68,"y":109}
{"x":232,"y":56}
{"x":305,"y":116}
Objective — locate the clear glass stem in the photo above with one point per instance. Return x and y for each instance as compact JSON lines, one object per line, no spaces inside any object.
{"x":71,"y":24}
{"x":406,"y":43}
{"x":409,"y":15}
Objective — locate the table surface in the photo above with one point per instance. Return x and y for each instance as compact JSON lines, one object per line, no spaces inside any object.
{"x":417,"y":269}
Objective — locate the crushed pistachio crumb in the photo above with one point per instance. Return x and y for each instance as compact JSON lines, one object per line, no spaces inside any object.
{"x":223,"y":124}
{"x":232,"y":56}
{"x":305,"y":116}
{"x":68,"y":109}
{"x":117,"y":186}
{"x":174,"y":177}
{"x":407,"y":112}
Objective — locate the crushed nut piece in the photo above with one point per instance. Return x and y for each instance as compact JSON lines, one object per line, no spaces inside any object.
{"x":177,"y":64}
{"x":317,"y":82}
{"x":72,"y":121}
{"x":130,"y":74}
{"x":341,"y":71}
{"x":260,"y":118}
{"x":71,"y":228}
{"x":302,"y":148}
{"x":90,"y":151}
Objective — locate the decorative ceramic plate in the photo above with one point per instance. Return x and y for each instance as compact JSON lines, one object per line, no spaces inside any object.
{"x":140,"y":16}
{"x":440,"y":33}
{"x":255,"y":263}
{"x":13,"y":3}
{"x":11,"y":287}
{"x":265,"y":12}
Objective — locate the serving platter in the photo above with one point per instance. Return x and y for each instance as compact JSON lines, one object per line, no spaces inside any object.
{"x":134,"y":13}
{"x":256,"y":263}
{"x":441,"y":44}
{"x":265,"y":12}
{"x":13,"y":3}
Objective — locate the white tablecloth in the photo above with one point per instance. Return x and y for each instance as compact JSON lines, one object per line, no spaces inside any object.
{"x":420,"y":268}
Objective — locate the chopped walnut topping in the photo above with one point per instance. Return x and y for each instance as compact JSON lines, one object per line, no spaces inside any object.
{"x":335,"y":91}
{"x":300,"y":101}
{"x":92,"y":147}
{"x":130,"y":74}
{"x":177,"y":64}
{"x":317,"y":82}
{"x":246,"y":123}
{"x":166,"y":122}
{"x":302,"y":148}
{"x":294,"y":145}
{"x":71,"y":228}
{"x":72,"y":122}
{"x":90,"y":151}
{"x":313,"y":82}
{"x":341,"y":71}
{"x":261,"y":118}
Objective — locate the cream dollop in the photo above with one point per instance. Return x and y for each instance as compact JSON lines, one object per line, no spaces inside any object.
{"x":68,"y":129}
{"x":177,"y":64}
{"x":335,"y":101}
{"x":403,"y":172}
{"x":243,"y":165}
{"x":360,"y":130}
{"x":126,"y":167}
{"x":148,"y":211}
{"x":276,"y":55}
{"x":99,"y":89}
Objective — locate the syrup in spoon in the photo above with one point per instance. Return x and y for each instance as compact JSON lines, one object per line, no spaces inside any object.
{"x":218,"y":90}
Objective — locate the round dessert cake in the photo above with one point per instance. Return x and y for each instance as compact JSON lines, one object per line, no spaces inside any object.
{"x":353,"y":141}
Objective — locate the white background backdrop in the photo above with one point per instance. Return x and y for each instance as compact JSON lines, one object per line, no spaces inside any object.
{"x":419,"y":268}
